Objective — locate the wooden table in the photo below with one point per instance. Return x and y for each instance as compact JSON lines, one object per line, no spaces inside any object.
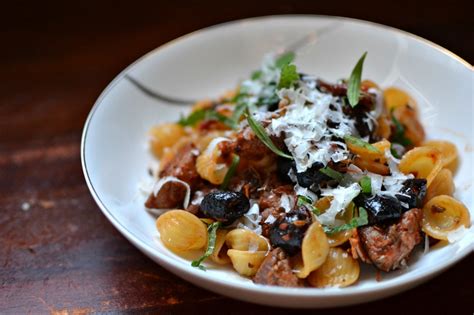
{"x":58,"y":253}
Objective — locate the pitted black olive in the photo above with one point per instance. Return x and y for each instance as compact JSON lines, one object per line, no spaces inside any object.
{"x":412,"y":193}
{"x":288,"y":230}
{"x":284,"y":166}
{"x":225,"y":206}
{"x":311,"y":176}
{"x":380,"y":208}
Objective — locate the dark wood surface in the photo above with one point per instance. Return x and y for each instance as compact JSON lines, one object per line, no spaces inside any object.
{"x":61,"y":255}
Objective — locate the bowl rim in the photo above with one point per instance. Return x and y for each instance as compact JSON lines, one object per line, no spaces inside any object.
{"x":169,"y":262}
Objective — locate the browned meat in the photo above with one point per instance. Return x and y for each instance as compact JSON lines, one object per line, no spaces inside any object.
{"x":247,"y":180}
{"x":249,"y":147}
{"x":357,"y":249}
{"x":389,"y":248}
{"x":202,"y":190}
{"x":170,"y":196}
{"x":271,"y":198}
{"x":182,"y":166}
{"x":276,"y":270}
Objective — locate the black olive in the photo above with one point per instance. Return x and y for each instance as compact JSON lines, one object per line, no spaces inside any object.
{"x":412,"y":193}
{"x":311,"y":176}
{"x":284,"y":166}
{"x":380,"y":208}
{"x":288,"y":230}
{"x":225,"y":206}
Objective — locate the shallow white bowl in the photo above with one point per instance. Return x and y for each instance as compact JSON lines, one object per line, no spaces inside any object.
{"x":208,"y":62}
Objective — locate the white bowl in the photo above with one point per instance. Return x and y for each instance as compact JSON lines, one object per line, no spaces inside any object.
{"x":206,"y":63}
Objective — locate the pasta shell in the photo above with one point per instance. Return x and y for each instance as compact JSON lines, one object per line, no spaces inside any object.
{"x":246,"y":240}
{"x":164,"y":136}
{"x":203,"y":104}
{"x":367,"y":84}
{"x":246,"y":263}
{"x":423,"y":162}
{"x":371,"y":156}
{"x":339,"y":238}
{"x":181,"y":231}
{"x":448,"y":151}
{"x":442,"y":184}
{"x":408,"y":117}
{"x":208,"y":166}
{"x":371,"y":166}
{"x":339,"y":270}
{"x":219,"y":255}
{"x":314,"y":250}
{"x":442,"y":215}
{"x":170,"y":153}
{"x":395,"y":98}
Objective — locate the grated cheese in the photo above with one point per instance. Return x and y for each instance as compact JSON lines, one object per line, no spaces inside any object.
{"x":342,"y":196}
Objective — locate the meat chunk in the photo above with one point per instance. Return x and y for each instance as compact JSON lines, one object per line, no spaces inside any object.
{"x":357,"y":250}
{"x":389,"y":247}
{"x":276,"y":270}
{"x":170,"y":196}
{"x":270,"y":203}
{"x":249,"y":147}
{"x":183,"y":166}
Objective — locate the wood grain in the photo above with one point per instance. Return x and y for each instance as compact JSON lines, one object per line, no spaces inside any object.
{"x":58,"y":253}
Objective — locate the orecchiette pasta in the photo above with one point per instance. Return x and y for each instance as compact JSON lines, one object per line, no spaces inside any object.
{"x":208,"y":165}
{"x":336,"y":239}
{"x":314,"y":250}
{"x":408,"y":117}
{"x":165,"y":136}
{"x":395,"y":98}
{"x":247,"y":250}
{"x":443,"y":215}
{"x":219,"y":255}
{"x":442,"y":184}
{"x":448,"y":151}
{"x":181,"y":231}
{"x":339,"y":270}
{"x":423,"y":162}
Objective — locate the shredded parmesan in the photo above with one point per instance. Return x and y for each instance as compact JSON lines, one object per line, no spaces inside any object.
{"x":250,"y":220}
{"x":342,"y":196}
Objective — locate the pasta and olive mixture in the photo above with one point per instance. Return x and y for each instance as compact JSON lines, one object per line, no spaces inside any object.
{"x":294,"y":181}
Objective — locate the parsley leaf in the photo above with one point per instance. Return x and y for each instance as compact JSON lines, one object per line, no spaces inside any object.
{"x":284,"y":59}
{"x":361,"y":143}
{"x":332,"y":173}
{"x":288,"y":77}
{"x":262,"y":135}
{"x":360,"y":220}
{"x":353,"y":86}
{"x":366,"y":185}
{"x":308,"y":203}
{"x":231,"y":171}
{"x":211,"y":244}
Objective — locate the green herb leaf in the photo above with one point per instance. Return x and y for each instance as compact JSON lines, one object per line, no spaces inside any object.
{"x":256,"y":75}
{"x":288,"y":77}
{"x":399,"y":134}
{"x":305,"y":201}
{"x":230,"y":173}
{"x":394,"y":152}
{"x":353,"y":86}
{"x":360,"y":220}
{"x":211,"y":244}
{"x":262,"y":135}
{"x":332,"y":173}
{"x":285,"y":59}
{"x":361,"y":143}
{"x":206,"y":114}
{"x":366,"y":185}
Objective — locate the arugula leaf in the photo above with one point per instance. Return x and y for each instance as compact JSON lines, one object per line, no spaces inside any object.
{"x":361,"y":220}
{"x":399,"y":135}
{"x":284,"y":59}
{"x":230,"y":173}
{"x":361,"y":143}
{"x":206,"y":114}
{"x":366,"y":185}
{"x":353,"y":86}
{"x":262,"y":135}
{"x":305,"y":201}
{"x":211,"y":244}
{"x":288,"y":77}
{"x":332,"y":173}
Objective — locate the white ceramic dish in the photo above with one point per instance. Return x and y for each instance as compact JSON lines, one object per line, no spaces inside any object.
{"x":206,"y":63}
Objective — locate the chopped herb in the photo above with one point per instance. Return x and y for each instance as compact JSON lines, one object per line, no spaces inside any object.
{"x":399,"y":134}
{"x":360,"y":220}
{"x":230,"y":173}
{"x":332,"y":173}
{"x":394,"y":152}
{"x":353,"y":86}
{"x":262,"y":135}
{"x":238,"y":111}
{"x":284,"y":59}
{"x":288,"y":77}
{"x":211,"y":244}
{"x":308,"y":203}
{"x":361,"y":143}
{"x":206,"y":114}
{"x":256,"y":75}
{"x":366,"y":185}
